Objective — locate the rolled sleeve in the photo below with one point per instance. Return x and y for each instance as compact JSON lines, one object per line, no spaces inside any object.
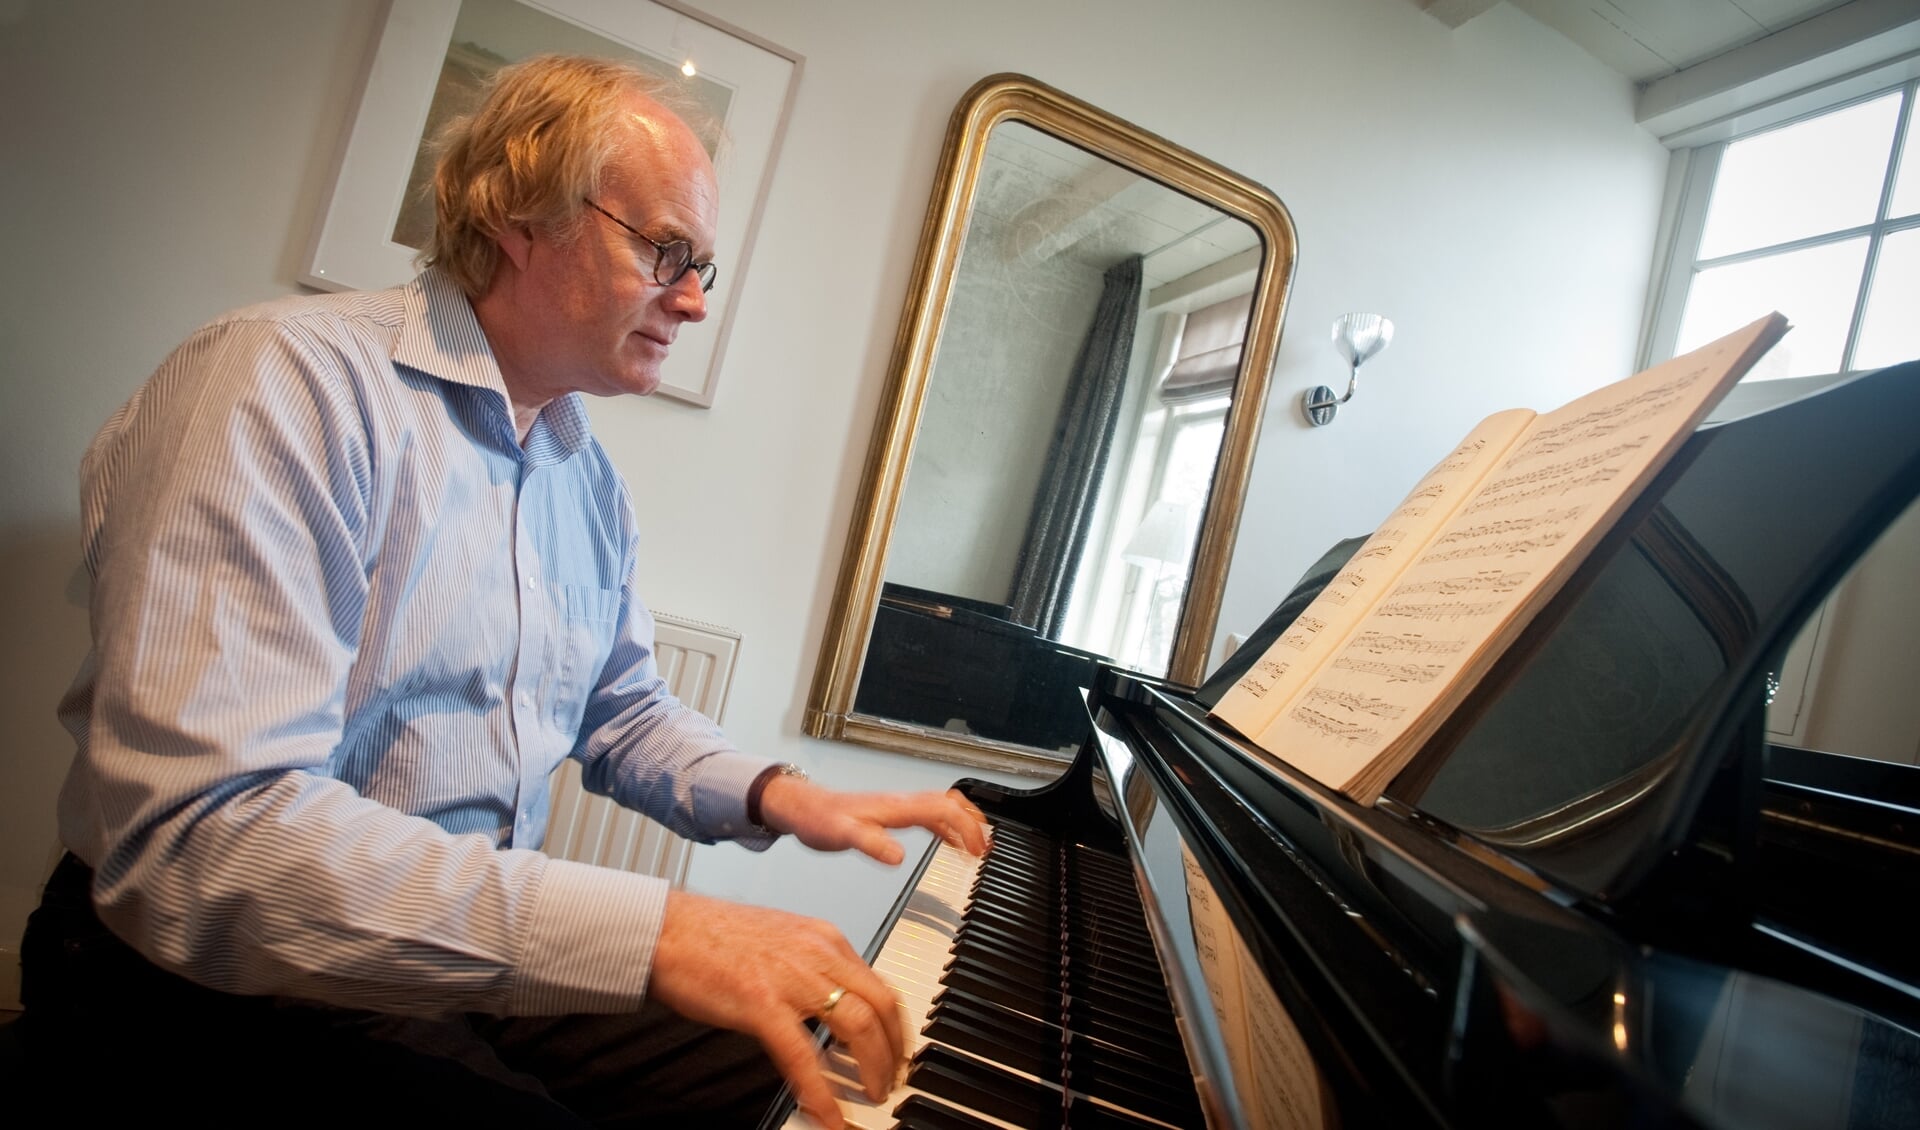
{"x":720,"y":798}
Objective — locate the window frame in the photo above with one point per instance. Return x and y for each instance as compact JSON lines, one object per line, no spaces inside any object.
{"x":1697,"y":168}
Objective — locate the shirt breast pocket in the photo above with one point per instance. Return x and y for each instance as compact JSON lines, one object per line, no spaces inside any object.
{"x":586,"y":639}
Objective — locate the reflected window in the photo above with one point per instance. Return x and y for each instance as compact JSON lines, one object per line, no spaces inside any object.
{"x":1131,"y":588}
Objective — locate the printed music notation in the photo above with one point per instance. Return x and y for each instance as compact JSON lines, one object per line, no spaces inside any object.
{"x":1563,"y":475}
{"x":1327,"y":727}
{"x":1440,"y":612}
{"x":1464,"y":458}
{"x":1303,"y":631}
{"x":1252,"y":703}
{"x":1363,"y":691}
{"x":1505,"y":547}
{"x":1509,"y":526}
{"x":1556,"y":488}
{"x":1384,"y":643}
{"x":1393,"y":672}
{"x":1605,"y":421}
{"x":1264,"y":675}
{"x":1371,"y":705}
{"x":1487,"y":580}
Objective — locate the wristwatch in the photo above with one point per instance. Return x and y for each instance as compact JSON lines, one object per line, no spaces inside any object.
{"x":784,"y":769}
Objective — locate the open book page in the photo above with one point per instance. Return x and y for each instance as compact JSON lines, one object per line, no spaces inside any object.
{"x":1473,"y":586}
{"x":1280,"y":675}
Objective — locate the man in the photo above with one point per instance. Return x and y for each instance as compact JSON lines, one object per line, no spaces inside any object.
{"x":362,"y":578}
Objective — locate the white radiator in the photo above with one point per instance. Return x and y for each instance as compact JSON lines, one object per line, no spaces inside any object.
{"x":696,"y":659}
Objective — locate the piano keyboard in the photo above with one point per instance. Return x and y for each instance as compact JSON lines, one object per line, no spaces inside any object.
{"x":1032,"y":997}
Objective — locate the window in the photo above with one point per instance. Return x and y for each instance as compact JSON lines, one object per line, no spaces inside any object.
{"x":1818,"y":218}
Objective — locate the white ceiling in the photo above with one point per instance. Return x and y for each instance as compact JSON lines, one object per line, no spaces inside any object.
{"x":1052,"y":198}
{"x":1651,"y":39}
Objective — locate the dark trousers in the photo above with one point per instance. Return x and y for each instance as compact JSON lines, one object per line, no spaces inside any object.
{"x":109,"y":1034}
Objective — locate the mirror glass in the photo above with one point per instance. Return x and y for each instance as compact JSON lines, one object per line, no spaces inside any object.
{"x":1057,"y":479}
{"x":1070,"y":447}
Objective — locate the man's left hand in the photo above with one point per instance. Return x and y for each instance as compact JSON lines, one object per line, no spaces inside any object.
{"x":833,"y":821}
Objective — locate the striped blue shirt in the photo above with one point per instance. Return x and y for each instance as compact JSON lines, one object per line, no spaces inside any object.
{"x":344,"y":626}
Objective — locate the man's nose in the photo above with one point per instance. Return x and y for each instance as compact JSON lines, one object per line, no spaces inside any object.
{"x":686,"y":298}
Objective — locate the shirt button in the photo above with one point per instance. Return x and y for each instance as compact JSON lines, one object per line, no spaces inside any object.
{"x":530,"y":581}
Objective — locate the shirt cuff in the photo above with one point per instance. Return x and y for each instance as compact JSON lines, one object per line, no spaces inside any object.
{"x":590,"y":945}
{"x":720,"y":799}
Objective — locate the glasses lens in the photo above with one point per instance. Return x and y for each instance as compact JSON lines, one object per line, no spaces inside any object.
{"x":673,"y":261}
{"x":708,"y":273}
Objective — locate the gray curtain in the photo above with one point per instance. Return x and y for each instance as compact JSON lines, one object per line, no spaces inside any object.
{"x":1077,"y":458}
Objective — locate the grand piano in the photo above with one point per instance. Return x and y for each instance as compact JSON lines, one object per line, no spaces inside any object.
{"x":1598,"y":897}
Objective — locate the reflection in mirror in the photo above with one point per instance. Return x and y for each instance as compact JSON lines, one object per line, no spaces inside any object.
{"x":1063,"y":457}
{"x":1056,"y":479}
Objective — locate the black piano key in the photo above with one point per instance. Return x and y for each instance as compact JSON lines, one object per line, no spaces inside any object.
{"x":1042,"y":929}
{"x":1006,"y":972}
{"x":1180,"y":1107}
{"x":1104,"y":965}
{"x":1027,"y":903}
{"x":1042,"y":988}
{"x":1011,"y":1025}
{"x":1106,"y":942}
{"x":1035,"y":934}
{"x":1028,"y":945}
{"x":1114,"y":1057}
{"x":1093,"y":1116}
{"x":983,"y":1087}
{"x":1037,"y":878}
{"x":1028,"y":854}
{"x":1145,"y":1041}
{"x":993,"y":989}
{"x":920,"y":1112}
{"x":1024,"y":873}
{"x":981,"y":1037}
{"x":987,"y":949}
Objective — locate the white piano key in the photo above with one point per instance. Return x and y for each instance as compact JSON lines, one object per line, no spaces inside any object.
{"x":910,"y":962}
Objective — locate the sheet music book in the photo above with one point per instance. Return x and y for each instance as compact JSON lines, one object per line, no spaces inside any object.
{"x":1375,"y":663}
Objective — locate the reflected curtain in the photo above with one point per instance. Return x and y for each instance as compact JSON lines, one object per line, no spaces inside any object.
{"x":1208,"y":358}
{"x":1069,"y":488}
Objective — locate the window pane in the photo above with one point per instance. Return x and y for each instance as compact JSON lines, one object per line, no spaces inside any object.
{"x":1890,"y":333}
{"x":1820,"y":175}
{"x":1814,"y":287}
{"x":1906,"y":186}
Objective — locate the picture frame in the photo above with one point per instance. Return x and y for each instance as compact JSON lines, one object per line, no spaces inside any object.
{"x":429,"y":61}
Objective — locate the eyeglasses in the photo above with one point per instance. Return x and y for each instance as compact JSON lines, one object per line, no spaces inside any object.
{"x":672,"y":259}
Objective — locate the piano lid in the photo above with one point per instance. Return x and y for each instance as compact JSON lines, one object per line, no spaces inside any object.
{"x":1596,"y":748}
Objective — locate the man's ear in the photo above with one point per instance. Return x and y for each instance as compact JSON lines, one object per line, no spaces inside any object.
{"x":516,"y":243}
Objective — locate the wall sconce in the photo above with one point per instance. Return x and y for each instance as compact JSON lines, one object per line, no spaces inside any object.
{"x":1357,"y":337}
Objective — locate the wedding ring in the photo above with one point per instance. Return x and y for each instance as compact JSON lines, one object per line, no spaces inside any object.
{"x":833,"y":998}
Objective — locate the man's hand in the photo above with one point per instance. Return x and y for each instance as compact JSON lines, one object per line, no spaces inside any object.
{"x":832,"y":821}
{"x":766,"y":972}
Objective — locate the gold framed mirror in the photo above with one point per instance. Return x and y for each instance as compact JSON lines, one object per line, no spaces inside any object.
{"x":1060,"y":456}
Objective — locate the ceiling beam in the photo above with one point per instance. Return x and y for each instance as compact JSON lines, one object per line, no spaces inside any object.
{"x":1453,"y":13}
{"x":1861,"y":38}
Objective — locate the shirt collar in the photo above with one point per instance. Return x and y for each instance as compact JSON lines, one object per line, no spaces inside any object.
{"x":442,"y":338}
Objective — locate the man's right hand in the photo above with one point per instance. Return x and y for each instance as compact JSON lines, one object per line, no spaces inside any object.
{"x":765,"y":973}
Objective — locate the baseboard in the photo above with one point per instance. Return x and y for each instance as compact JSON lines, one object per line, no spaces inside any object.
{"x":9,"y":978}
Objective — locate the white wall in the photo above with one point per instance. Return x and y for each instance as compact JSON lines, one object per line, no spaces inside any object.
{"x":1485,"y":187}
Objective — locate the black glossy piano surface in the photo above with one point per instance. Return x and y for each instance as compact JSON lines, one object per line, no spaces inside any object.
{"x":1598,"y":897}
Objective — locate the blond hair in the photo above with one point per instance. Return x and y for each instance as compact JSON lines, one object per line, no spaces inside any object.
{"x":537,"y":147}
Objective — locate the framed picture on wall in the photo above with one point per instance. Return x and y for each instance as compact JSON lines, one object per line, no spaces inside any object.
{"x":434,"y":57}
